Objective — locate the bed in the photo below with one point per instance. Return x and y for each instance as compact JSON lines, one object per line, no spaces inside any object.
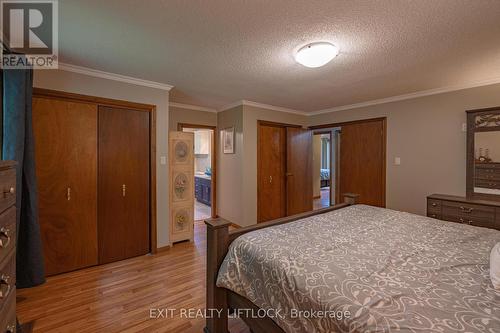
{"x":325,"y":177}
{"x":362,"y":268}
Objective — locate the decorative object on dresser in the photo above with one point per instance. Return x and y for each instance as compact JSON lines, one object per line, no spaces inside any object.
{"x":8,"y":238}
{"x":181,"y":151}
{"x":483,"y":154}
{"x":476,"y":212}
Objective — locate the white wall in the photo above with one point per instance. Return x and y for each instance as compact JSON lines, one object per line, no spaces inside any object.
{"x":426,"y":132}
{"x":230,"y":189}
{"x":99,"y":87}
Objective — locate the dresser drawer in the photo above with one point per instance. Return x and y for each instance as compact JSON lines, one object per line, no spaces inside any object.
{"x":487,"y":174}
{"x":7,"y":232}
{"x":7,"y":189}
{"x":493,"y":184}
{"x":474,"y":221}
{"x":7,"y":279}
{"x":8,"y":317}
{"x":434,"y":206}
{"x":468,"y":210}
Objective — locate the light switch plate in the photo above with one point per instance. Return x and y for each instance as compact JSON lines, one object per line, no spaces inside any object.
{"x":397,"y":161}
{"x":464,"y":127}
{"x":163,"y":160}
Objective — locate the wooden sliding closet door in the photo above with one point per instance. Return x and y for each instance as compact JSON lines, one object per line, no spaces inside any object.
{"x":271,"y":173}
{"x":362,"y":161}
{"x":66,"y":167}
{"x":124,"y":183}
{"x":299,"y":170}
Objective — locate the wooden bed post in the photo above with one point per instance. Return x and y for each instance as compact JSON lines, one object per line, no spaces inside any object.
{"x":217,"y":245}
{"x":351,"y":198}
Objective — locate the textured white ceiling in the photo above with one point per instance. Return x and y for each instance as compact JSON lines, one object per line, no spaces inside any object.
{"x":216,"y":52}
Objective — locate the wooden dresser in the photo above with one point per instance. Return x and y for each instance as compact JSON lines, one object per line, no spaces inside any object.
{"x":481,"y":213}
{"x":487,"y":175}
{"x":7,"y":247}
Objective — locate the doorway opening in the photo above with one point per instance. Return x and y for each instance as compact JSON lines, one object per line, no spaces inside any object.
{"x":324,"y":167}
{"x":204,"y":170}
{"x":358,"y":160}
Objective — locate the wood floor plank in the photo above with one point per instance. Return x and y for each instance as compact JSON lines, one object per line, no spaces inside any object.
{"x":118,"y":297}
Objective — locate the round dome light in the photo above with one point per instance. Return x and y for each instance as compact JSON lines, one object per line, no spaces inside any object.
{"x":316,"y":54}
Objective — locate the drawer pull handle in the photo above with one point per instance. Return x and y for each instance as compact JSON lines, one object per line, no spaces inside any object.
{"x":4,"y":286}
{"x":10,"y":329}
{"x":469,"y":222}
{"x":10,"y":191}
{"x":4,"y":238}
{"x":434,"y":204}
{"x":68,"y":194}
{"x":466,"y":210}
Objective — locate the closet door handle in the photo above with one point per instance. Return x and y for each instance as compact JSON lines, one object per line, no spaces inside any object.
{"x":68,"y":194}
{"x":10,"y":191}
{"x":124,"y":190}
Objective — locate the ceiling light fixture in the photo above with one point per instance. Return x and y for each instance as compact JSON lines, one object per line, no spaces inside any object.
{"x":316,"y":54}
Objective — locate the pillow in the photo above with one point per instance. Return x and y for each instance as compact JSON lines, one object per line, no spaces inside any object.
{"x":495,"y":266}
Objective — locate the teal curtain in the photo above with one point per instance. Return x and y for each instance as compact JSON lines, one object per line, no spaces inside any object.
{"x":18,"y":145}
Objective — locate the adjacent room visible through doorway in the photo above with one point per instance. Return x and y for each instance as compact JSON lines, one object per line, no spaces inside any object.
{"x":204,"y":166}
{"x":323,"y":171}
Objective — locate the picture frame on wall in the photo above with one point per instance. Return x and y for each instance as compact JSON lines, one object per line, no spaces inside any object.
{"x":228,"y":140}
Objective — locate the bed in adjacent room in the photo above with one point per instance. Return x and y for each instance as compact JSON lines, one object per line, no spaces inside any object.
{"x":371,"y":269}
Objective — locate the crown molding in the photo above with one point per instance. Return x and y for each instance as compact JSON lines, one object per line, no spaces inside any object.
{"x":263,"y":106}
{"x":230,"y":106}
{"x":113,"y":76}
{"x":191,"y":107}
{"x":403,"y":97}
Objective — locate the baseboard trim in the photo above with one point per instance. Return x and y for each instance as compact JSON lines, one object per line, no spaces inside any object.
{"x":163,"y":249}
{"x":234,"y":225}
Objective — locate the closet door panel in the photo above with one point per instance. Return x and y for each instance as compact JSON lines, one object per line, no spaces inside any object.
{"x":66,"y":166}
{"x":271,"y":187}
{"x":124,"y":183}
{"x":299,"y":170}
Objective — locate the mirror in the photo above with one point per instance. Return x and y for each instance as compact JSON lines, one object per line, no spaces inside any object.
{"x":487,"y":159}
{"x":483,"y":168}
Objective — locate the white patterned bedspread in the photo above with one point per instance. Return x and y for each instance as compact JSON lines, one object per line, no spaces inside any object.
{"x":392,"y":271}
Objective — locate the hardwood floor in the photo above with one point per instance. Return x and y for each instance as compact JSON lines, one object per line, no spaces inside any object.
{"x":201,"y":211}
{"x":324,"y":200}
{"x":118,"y":297}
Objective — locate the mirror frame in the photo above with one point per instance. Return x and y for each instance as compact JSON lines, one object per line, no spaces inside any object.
{"x":471,"y":131}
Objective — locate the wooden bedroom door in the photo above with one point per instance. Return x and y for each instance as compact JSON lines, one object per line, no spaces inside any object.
{"x":362,"y":161}
{"x":299,"y":168}
{"x":66,"y":167}
{"x":124,"y":183}
{"x":271,"y":162}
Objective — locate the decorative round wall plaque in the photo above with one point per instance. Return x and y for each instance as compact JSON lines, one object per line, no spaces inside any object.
{"x":181,"y":219}
{"x":181,"y":186}
{"x":181,"y":151}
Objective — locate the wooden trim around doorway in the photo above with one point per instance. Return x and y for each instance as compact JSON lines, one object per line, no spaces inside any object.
{"x":180,"y":127}
{"x":101,"y":101}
